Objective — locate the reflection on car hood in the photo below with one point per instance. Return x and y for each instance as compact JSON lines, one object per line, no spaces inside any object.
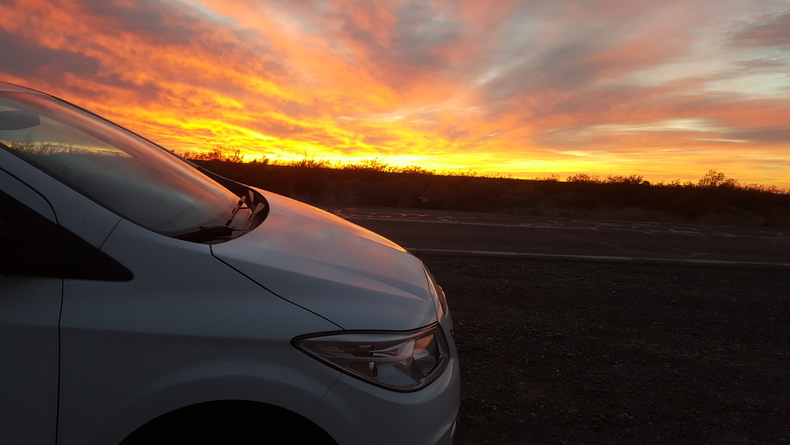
{"x":349,"y":275}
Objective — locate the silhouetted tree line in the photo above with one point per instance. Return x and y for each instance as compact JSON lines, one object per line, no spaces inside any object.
{"x":713,"y":199}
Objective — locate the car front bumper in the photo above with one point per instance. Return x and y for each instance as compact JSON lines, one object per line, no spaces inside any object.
{"x":355,"y":412}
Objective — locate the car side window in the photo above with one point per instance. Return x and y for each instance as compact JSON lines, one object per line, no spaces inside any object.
{"x":32,"y":245}
{"x":28,"y":241}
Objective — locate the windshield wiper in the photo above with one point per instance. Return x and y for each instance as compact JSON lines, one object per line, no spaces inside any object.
{"x":224,"y":232}
{"x":239,"y":205}
{"x":216,"y":232}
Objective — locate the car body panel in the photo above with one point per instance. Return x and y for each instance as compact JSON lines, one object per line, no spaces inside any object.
{"x":29,"y":315}
{"x":327,"y":265}
{"x":207,"y":332}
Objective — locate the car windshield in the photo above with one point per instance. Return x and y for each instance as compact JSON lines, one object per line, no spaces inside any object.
{"x":130,"y":176}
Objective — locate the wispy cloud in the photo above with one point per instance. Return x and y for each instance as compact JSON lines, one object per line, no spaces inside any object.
{"x":524,"y":87}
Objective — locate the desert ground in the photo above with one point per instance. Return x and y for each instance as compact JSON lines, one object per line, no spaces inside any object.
{"x":560,"y":351}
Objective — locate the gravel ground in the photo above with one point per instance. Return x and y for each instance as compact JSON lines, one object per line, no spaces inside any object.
{"x":572,"y":352}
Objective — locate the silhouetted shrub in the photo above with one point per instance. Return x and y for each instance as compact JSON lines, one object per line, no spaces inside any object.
{"x":714,"y":199}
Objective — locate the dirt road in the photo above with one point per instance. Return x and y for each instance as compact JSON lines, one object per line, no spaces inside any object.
{"x":424,"y":229}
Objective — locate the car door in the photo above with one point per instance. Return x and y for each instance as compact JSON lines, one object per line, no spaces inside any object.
{"x":30,"y":302}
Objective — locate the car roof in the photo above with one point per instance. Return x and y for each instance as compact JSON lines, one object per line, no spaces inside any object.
{"x":10,"y":87}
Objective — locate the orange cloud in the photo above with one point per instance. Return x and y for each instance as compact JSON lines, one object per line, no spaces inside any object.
{"x":668,"y":90}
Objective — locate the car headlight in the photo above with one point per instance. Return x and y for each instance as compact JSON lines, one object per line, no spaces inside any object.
{"x":399,"y":361}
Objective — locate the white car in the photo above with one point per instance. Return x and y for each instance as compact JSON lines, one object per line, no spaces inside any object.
{"x":144,"y":300}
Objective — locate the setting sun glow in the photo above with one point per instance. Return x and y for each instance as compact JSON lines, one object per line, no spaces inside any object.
{"x":528,"y":89}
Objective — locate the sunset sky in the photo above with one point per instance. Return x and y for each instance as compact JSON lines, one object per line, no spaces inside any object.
{"x":532,"y":88}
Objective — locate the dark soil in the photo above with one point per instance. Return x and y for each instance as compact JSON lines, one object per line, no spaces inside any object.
{"x":571,"y":352}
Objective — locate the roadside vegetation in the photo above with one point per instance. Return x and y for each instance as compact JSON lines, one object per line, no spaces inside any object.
{"x":713,"y":199}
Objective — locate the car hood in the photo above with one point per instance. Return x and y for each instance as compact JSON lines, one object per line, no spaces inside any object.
{"x":340,"y":271}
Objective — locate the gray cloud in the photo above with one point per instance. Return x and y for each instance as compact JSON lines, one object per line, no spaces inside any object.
{"x":24,"y":58}
{"x":148,"y":19}
{"x":770,"y":135}
{"x":43,"y":66}
{"x":421,"y":33}
{"x":773,"y":31}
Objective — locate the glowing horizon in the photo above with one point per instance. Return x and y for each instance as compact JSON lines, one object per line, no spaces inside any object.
{"x":528,"y":89}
